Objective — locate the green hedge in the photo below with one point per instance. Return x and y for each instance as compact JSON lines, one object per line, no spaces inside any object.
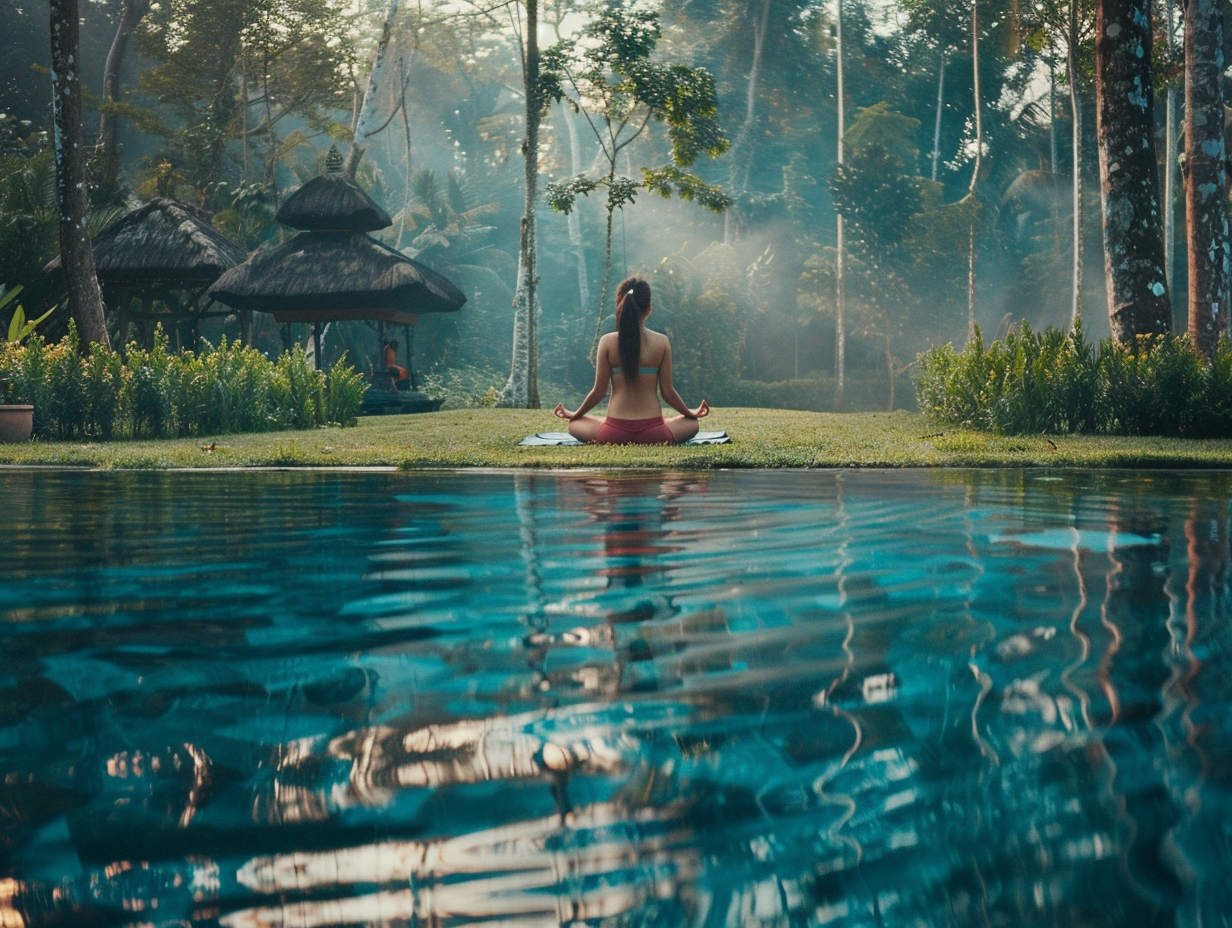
{"x":813,"y":394}
{"x":154,"y":393}
{"x":1055,"y":382}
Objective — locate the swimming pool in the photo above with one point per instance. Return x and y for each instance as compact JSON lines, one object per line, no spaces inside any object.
{"x":770,"y":698}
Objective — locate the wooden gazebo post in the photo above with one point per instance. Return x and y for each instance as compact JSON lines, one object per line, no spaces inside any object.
{"x":408,"y":339}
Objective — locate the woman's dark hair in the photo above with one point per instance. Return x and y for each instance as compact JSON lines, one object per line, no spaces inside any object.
{"x":633,"y":293}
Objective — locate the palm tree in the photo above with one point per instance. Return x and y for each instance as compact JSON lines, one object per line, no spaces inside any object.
{"x":1125,"y":128}
{"x":1206,"y":193}
{"x":449,"y":234}
{"x":84,"y":298}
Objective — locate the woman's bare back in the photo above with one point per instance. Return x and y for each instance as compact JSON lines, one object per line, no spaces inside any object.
{"x":638,"y":399}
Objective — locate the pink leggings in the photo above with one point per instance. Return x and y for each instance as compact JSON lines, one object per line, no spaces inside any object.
{"x":652,"y":431}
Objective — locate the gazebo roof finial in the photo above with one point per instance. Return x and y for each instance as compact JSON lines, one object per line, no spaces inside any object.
{"x":332,"y":202}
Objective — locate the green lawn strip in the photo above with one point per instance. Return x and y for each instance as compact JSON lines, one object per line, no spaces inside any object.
{"x":760,"y":438}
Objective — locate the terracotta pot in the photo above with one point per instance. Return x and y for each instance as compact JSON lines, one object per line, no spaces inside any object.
{"x":16,"y":423}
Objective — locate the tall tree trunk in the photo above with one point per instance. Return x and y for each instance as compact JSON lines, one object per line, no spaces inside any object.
{"x":940,"y":107}
{"x":406,"y":186}
{"x":244,"y":111}
{"x":131,"y":14}
{"x":1206,"y":194}
{"x":577,"y":244}
{"x":522,"y":388}
{"x":1124,"y":125}
{"x":1052,"y":118}
{"x":889,"y":360}
{"x":742,"y":155}
{"x":1170,"y":164}
{"x":76,"y":256}
{"x":975,"y":168}
{"x":840,"y":295}
{"x":1075,"y":107}
{"x":607,"y":272}
{"x":271,"y":137}
{"x":365,"y":120}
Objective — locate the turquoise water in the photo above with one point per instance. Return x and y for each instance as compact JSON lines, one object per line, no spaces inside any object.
{"x":866,"y":698}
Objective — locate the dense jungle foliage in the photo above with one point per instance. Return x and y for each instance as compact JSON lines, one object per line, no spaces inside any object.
{"x":230,"y":104}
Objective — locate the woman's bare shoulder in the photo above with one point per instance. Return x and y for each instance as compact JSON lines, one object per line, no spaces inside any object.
{"x":657,"y":339}
{"x":607,"y":348}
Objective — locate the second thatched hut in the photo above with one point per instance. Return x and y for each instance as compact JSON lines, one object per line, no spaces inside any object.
{"x":155,"y":262}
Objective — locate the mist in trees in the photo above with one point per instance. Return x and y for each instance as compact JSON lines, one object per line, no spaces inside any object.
{"x":537,"y":165}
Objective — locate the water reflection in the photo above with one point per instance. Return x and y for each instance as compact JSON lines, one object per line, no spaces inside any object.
{"x":729,"y":699}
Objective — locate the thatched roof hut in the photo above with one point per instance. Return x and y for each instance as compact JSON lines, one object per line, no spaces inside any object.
{"x":324,"y":276}
{"x":332,"y":203}
{"x":332,"y":270}
{"x":163,"y":245}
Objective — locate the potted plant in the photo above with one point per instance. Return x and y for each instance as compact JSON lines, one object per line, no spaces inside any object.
{"x":16,"y":419}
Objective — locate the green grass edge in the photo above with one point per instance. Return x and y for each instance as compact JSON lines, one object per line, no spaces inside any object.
{"x":761,"y":438}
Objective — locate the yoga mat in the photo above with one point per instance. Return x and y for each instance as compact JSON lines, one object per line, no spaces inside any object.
{"x":564,"y":438}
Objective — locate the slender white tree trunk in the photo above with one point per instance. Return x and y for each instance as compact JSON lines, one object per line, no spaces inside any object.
{"x":1052,"y":119}
{"x":271,"y":137}
{"x":975,"y":170}
{"x":1075,"y":106}
{"x":607,"y":276}
{"x":522,"y":388}
{"x":576,"y":243}
{"x":366,"y":123}
{"x":406,"y":188}
{"x":940,"y":107}
{"x":244,"y":111}
{"x":1170,"y":163}
{"x":840,"y":333}
{"x":975,"y":92}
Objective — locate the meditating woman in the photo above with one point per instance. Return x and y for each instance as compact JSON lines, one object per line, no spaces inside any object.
{"x":638,"y":364}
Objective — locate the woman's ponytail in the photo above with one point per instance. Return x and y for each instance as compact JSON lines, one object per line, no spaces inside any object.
{"x":632,"y":301}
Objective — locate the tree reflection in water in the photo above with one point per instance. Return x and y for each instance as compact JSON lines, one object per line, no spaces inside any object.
{"x":944,"y":698}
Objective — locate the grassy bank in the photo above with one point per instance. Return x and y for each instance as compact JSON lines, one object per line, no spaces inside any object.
{"x":760,"y":438}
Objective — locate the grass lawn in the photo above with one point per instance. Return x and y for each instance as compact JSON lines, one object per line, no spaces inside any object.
{"x":760,"y":438}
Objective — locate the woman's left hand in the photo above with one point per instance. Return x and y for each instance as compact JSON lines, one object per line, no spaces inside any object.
{"x":702,"y":411}
{"x":561,"y":413}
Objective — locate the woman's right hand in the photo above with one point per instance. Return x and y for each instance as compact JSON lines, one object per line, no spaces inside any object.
{"x":561,"y":413}
{"x":701,"y":412}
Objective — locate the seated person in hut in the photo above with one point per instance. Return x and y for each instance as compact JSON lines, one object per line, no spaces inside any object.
{"x":396,"y":372}
{"x":638,"y":364}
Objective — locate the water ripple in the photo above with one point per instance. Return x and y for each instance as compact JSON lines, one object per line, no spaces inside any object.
{"x":545,"y":699}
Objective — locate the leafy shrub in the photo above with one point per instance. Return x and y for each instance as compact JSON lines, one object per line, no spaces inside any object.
{"x":1054,"y":382}
{"x":299,"y":391}
{"x":470,"y":387}
{"x":106,"y":387}
{"x":344,"y":394}
{"x":153,"y":393}
{"x":150,"y":372}
{"x":70,"y":406}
